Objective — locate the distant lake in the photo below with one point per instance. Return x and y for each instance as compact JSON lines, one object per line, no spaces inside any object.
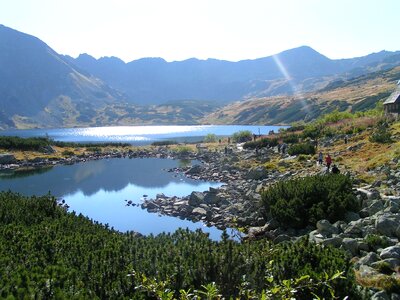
{"x":99,"y":189}
{"x":139,"y":135}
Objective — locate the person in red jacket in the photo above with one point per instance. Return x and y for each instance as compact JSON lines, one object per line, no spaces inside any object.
{"x":328,"y":161}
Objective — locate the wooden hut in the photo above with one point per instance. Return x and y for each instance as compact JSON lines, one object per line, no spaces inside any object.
{"x":392,"y":104}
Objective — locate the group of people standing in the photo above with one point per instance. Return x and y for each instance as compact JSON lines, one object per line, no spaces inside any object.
{"x":328,"y":161}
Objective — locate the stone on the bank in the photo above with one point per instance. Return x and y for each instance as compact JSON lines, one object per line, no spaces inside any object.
{"x":390,"y":252}
{"x":48,"y":149}
{"x":350,"y":245}
{"x":381,"y":295}
{"x":368,"y":259}
{"x":7,"y":158}
{"x":199,"y":211}
{"x":257,"y":173}
{"x":386,"y":225}
{"x":196,"y":169}
{"x":196,"y":198}
{"x":333,"y":241}
{"x":326,"y":228}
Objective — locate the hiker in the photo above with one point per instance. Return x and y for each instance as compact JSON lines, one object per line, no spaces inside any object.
{"x":279,"y":148}
{"x":226,"y":150}
{"x":335,"y":169}
{"x":320,"y":158}
{"x":328,"y":160}
{"x":345,"y":139}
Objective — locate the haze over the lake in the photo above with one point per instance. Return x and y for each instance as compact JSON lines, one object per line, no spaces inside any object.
{"x":230,"y":30}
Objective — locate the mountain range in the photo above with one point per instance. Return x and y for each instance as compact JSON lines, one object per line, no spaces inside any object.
{"x":41,"y":88}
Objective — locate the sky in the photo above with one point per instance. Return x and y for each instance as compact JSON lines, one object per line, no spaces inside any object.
{"x":222,"y":29}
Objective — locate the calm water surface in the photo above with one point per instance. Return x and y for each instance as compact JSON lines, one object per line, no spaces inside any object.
{"x":139,"y":135}
{"x":98,"y":189}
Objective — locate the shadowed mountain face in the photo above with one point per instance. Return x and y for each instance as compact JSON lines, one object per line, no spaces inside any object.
{"x":38,"y":83}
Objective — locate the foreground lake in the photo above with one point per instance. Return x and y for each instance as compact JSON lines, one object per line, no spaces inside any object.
{"x":101,"y":189}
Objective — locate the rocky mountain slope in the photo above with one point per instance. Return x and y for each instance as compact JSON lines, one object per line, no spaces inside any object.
{"x":38,"y":87}
{"x":355,"y":94}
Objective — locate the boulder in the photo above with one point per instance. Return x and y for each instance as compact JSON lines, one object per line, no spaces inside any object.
{"x":350,"y":245}
{"x":7,"y":158}
{"x":351,"y":216}
{"x":196,"y":169}
{"x":386,"y":225}
{"x":390,"y":252}
{"x":196,"y":198}
{"x":257,"y":173}
{"x":334,"y":241}
{"x":199,"y":211}
{"x":326,"y":228}
{"x":368,"y":259}
{"x":381,"y":295}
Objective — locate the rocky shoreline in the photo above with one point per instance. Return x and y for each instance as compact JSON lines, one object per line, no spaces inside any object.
{"x":371,"y":236}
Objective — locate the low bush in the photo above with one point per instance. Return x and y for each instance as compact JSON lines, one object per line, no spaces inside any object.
{"x":290,"y":138}
{"x":300,"y":202}
{"x":304,"y":148}
{"x":261,"y":143}
{"x":381,"y":134}
{"x":242,"y":136}
{"x":210,"y":138}
{"x":164,"y":143}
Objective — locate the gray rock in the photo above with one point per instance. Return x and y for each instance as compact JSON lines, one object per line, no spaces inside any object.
{"x":326,"y":228}
{"x":199,"y":211}
{"x":196,"y":198}
{"x":390,"y":252}
{"x":368,"y":259}
{"x":351,"y":216}
{"x":334,"y":241}
{"x":6,"y":159}
{"x":381,"y":295}
{"x":196,"y":169}
{"x":257,"y":173}
{"x":392,"y":262}
{"x":211,"y":198}
{"x":48,"y":149}
{"x":395,"y":296}
{"x":350,"y":245}
{"x":386,"y":225}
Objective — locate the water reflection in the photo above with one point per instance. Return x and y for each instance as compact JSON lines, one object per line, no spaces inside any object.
{"x":90,"y":177}
{"x":99,"y":189}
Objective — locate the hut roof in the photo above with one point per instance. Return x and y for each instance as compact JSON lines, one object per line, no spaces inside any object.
{"x":394,"y":97}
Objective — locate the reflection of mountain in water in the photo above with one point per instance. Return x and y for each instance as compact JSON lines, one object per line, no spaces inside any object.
{"x":12,"y":174}
{"x":90,"y":177}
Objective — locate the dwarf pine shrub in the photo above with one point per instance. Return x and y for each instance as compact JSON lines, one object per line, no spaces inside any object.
{"x":300,"y":202}
{"x":303,"y":148}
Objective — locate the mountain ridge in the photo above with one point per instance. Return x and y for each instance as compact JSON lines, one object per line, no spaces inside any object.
{"x":41,"y":88}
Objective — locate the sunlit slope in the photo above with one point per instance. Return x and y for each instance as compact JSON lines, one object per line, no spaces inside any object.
{"x":355,"y":94}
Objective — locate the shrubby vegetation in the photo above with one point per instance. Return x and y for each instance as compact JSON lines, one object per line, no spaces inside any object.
{"x":210,"y":138}
{"x":303,"y":148}
{"x":46,"y":252}
{"x":18,"y":143}
{"x":164,"y":143}
{"x":261,"y":143}
{"x":242,"y":136}
{"x":381,"y":134}
{"x":300,"y":202}
{"x":39,"y":143}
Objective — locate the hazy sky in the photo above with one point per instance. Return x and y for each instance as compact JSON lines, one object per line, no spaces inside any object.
{"x":222,"y":29}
